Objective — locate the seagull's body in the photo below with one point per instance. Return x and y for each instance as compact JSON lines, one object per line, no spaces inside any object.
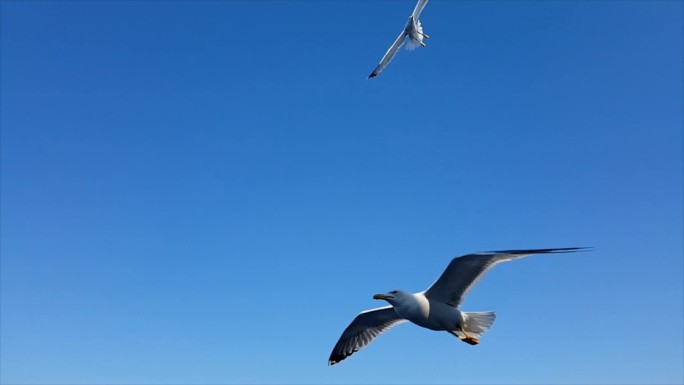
{"x":413,"y":31}
{"x":436,"y":308}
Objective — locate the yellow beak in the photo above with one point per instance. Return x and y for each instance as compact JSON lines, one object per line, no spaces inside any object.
{"x":381,"y":296}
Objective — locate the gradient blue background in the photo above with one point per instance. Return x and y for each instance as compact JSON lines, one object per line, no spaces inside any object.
{"x":208,"y":192}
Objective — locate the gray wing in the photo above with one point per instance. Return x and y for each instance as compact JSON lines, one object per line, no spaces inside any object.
{"x":419,"y":8}
{"x":389,"y":55}
{"x":464,"y":272}
{"x":363,"y":330}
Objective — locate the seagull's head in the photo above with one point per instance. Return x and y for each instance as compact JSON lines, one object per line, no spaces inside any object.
{"x":394,"y":296}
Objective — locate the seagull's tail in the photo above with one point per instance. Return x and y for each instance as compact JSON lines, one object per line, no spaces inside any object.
{"x":476,"y":324}
{"x":413,"y":44}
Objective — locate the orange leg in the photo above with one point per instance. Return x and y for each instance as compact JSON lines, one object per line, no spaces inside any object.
{"x":468,"y":339}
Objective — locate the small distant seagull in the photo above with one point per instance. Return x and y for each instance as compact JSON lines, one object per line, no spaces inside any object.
{"x":436,"y":308}
{"x":413,"y":30}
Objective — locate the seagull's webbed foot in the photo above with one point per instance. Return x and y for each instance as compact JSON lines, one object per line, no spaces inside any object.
{"x":423,"y":44}
{"x":425,"y":36}
{"x":468,"y":339}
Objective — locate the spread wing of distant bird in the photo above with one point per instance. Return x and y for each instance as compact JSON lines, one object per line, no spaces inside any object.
{"x":413,"y":31}
{"x":419,"y":8}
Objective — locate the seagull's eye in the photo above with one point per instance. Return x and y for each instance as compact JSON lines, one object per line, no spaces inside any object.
{"x":393,"y":292}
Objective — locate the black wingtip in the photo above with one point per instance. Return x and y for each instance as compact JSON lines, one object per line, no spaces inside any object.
{"x":542,"y":251}
{"x":371,"y":76}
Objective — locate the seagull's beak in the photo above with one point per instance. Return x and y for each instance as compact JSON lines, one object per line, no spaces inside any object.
{"x":381,"y":296}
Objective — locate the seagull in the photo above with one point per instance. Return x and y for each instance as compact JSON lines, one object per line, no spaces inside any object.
{"x":413,"y":30}
{"x":436,"y":308}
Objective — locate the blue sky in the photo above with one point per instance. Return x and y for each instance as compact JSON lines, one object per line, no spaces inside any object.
{"x":208,"y":192}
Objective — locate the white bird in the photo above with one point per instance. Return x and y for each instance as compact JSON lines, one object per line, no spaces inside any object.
{"x":436,"y":308}
{"x":413,"y":31}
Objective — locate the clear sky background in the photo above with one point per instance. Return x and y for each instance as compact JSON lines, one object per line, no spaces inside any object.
{"x":209,"y":192}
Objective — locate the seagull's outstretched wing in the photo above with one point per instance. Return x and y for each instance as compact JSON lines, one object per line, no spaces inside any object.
{"x":419,"y":8}
{"x":389,"y":55}
{"x":363,"y":330}
{"x":464,"y":272}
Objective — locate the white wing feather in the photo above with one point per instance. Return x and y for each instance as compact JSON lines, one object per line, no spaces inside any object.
{"x":419,"y":8}
{"x":389,"y":55}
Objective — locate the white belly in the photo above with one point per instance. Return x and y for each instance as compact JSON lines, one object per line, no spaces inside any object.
{"x":432,"y":315}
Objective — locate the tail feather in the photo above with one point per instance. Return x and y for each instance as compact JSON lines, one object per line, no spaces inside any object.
{"x":413,"y":44}
{"x":476,"y":324}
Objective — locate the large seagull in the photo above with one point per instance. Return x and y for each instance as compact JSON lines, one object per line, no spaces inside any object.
{"x":436,"y":308}
{"x":413,"y":31}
